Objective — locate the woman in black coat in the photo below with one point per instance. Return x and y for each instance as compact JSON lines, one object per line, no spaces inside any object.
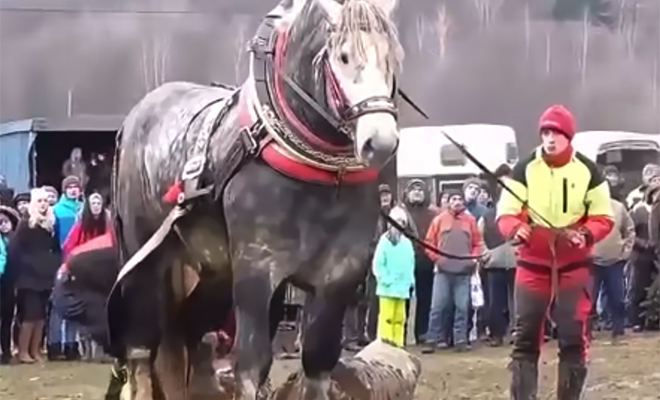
{"x":37,"y":259}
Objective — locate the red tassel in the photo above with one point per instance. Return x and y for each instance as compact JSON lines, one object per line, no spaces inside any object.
{"x":173,"y":193}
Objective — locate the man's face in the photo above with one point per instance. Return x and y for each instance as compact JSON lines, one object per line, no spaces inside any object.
{"x":483,"y":197}
{"x":655,"y":181}
{"x":22,"y":207}
{"x":471,"y":192}
{"x":52,"y":198}
{"x":613,"y":179}
{"x":385,"y":199}
{"x":416,"y":194}
{"x":553,"y":142}
{"x":5,"y":224}
{"x":72,"y":191}
{"x":456,"y":203}
{"x":648,"y":172}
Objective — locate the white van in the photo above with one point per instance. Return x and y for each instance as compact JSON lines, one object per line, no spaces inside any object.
{"x":628,"y":151}
{"x":425,"y":153}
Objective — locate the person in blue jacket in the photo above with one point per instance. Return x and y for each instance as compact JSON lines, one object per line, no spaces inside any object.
{"x":9,"y":219}
{"x":62,"y":335}
{"x":394,"y":269}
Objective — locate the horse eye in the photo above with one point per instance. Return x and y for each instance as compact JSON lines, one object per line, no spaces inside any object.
{"x":343,"y":57}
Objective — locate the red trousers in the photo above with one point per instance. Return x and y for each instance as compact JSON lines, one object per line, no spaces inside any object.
{"x":568,"y":303}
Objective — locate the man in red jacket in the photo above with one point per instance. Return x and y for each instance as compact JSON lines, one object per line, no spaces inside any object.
{"x":561,"y":207}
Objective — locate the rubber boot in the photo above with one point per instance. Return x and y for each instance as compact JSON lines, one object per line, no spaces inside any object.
{"x":55,"y":352}
{"x":570,"y":380}
{"x":71,"y":351}
{"x":524,"y":379}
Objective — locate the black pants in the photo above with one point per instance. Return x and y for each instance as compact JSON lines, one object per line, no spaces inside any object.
{"x":642,"y":277}
{"x":7,"y":312}
{"x":372,"y":307}
{"x":500,"y":289}
{"x":424,"y":294}
{"x":355,"y":319}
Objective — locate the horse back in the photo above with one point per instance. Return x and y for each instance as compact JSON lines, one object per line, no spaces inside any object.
{"x":157,"y":139}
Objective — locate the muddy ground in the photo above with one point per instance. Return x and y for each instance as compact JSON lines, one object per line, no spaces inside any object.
{"x":628,"y":372}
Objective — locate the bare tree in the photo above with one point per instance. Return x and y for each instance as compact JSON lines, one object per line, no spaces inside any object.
{"x":239,"y":44}
{"x":584,"y":54}
{"x":528,"y":30}
{"x":442,"y":26}
{"x":548,"y":52}
{"x":655,"y":100}
{"x":155,"y":50}
{"x":419,"y":32}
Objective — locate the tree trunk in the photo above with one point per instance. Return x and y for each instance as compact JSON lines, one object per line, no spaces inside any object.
{"x":378,"y":372}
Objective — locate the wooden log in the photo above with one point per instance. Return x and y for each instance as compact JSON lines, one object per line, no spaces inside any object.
{"x":379,"y":372}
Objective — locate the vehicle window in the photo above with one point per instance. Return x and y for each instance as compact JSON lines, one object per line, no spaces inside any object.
{"x":451,"y":156}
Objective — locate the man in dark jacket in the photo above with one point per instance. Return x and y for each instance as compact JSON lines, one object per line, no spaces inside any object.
{"x":417,"y":202}
{"x":643,"y":256}
{"x":654,"y":222}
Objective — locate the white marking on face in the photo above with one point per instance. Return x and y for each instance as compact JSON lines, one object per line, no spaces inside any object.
{"x":364,"y":56}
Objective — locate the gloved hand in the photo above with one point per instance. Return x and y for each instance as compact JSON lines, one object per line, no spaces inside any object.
{"x":576,"y":238}
{"x":522,"y":235}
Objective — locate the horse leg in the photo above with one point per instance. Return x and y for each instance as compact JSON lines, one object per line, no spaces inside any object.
{"x":140,"y":385}
{"x":172,"y":361}
{"x":254,"y":353}
{"x":321,"y":345}
{"x":203,"y":383}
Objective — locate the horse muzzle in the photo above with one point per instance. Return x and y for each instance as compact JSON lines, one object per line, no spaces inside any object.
{"x":377,"y":139}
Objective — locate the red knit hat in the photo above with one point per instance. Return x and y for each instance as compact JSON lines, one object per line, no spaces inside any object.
{"x":558,"y":118}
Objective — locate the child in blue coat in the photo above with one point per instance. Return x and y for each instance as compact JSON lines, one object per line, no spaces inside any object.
{"x":394,"y":269}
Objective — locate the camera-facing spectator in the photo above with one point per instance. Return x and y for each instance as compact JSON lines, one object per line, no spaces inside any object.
{"x":37,"y":260}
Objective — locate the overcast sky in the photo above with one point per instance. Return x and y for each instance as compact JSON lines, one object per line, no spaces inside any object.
{"x":497,"y":65}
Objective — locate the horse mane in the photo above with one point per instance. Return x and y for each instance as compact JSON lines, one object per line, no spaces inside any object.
{"x":357,"y":17}
{"x":364,"y":16}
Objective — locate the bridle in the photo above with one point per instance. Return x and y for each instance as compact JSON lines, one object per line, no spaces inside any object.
{"x":344,"y":115}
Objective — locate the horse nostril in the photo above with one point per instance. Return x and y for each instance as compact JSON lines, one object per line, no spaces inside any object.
{"x":367,"y":151}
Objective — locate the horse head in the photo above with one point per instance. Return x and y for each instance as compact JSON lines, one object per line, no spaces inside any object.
{"x":345,"y":54}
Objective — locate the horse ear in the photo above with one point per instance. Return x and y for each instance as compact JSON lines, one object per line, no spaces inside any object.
{"x":386,"y":5}
{"x":333,"y":8}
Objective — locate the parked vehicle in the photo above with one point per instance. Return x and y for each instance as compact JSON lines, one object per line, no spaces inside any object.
{"x":628,"y":151}
{"x":425,"y":153}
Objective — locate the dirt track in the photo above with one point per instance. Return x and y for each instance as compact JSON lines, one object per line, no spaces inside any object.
{"x":627,"y":372}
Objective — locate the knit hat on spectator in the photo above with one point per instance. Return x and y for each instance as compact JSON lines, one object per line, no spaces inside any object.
{"x":11,"y":214}
{"x":384,"y":188}
{"x":70,"y":180}
{"x":51,"y":189}
{"x":455,"y":192}
{"x":610,"y":169}
{"x":25,"y":196}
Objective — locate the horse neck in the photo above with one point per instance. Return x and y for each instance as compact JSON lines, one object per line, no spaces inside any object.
{"x":299,"y":67}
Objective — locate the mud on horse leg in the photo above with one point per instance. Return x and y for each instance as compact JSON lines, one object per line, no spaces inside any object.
{"x":253,"y":349}
{"x":321,"y":345}
{"x":140,"y":385}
